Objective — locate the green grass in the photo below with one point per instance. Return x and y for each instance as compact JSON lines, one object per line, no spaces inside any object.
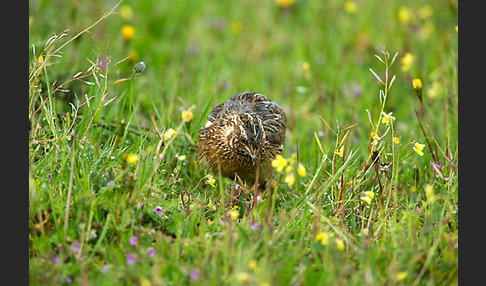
{"x":91,"y":115}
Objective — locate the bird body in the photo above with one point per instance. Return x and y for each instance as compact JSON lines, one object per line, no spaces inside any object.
{"x":243,"y":135}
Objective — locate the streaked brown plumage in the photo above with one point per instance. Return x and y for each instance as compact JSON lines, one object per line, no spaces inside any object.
{"x":235,"y":132}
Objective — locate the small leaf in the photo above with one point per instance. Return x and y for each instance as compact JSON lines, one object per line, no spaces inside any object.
{"x":77,"y":74}
{"x":121,"y":80}
{"x":327,"y":125}
{"x":319,"y":143}
{"x":378,"y":57}
{"x":391,"y":82}
{"x":344,"y":138}
{"x":436,"y":169}
{"x":369,"y":117}
{"x":393,"y":60}
{"x":376,"y":76}
{"x":109,"y":100}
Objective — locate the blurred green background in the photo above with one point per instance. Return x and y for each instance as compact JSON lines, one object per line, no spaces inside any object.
{"x":313,"y":57}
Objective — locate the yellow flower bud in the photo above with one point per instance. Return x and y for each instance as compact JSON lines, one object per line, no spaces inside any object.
{"x":128,"y":32}
{"x":187,"y":116}
{"x":417,"y":86}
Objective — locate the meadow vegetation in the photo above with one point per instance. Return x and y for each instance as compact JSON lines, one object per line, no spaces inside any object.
{"x":365,"y":192}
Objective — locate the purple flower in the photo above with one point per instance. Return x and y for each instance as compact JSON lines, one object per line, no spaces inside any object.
{"x":357,"y":90}
{"x":49,"y":176}
{"x":56,"y":259}
{"x":130,"y":259}
{"x":255,"y":226}
{"x":151,"y":251}
{"x":69,"y":280}
{"x":105,"y":268}
{"x":110,"y":182}
{"x":75,"y":247}
{"x":133,"y":240}
{"x":95,"y":235}
{"x":194,"y":275}
{"x":142,"y":205}
{"x":434,"y":164}
{"x":159,"y":210}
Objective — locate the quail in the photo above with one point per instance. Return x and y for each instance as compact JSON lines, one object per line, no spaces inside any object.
{"x":243,"y":135}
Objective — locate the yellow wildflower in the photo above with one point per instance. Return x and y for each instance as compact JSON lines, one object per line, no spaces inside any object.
{"x":210,"y":222}
{"x":252,"y":264}
{"x":351,"y":7}
{"x":243,"y":276}
{"x":366,"y":199}
{"x":417,"y":86}
{"x":274,"y":184}
{"x":301,"y":170}
{"x":323,"y":238}
{"x":290,"y":179}
{"x":126,"y":12}
{"x":169,"y":133}
{"x":128,"y":32}
{"x":236,"y":27}
{"x":340,"y":151}
{"x":429,"y":193}
{"x":279,"y":162}
{"x":425,"y":12}
{"x":404,"y":14}
{"x":233,"y":214}
{"x":40,"y":59}
{"x":133,"y":56}
{"x":418,"y":148}
{"x":370,"y":194}
{"x":387,"y":119}
{"x":187,"y":116}
{"x":284,"y":3}
{"x":396,"y":139}
{"x":434,"y":90}
{"x":181,"y":157}
{"x":210,"y":180}
{"x":401,"y":275}
{"x":426,"y":30}
{"x":305,"y":69}
{"x":132,"y":158}
{"x":375,"y":137}
{"x":288,"y":169}
{"x":407,"y":62}
{"x":144,"y":281}
{"x":339,"y":243}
